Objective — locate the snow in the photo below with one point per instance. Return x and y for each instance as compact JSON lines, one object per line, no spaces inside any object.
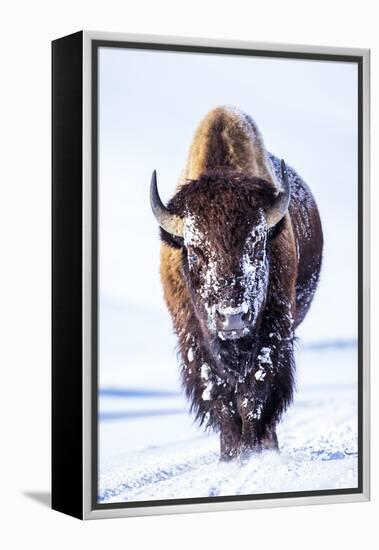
{"x":230,"y":310}
{"x":206,"y":395}
{"x":264,"y":356}
{"x":255,"y":270}
{"x":192,"y":235}
{"x":260,"y":374}
{"x":205,"y":371}
{"x":151,"y":449}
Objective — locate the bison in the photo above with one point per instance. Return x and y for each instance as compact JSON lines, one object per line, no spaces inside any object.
{"x":241,"y":251}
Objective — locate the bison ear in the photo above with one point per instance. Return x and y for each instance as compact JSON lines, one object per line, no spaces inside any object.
{"x":278,"y":210}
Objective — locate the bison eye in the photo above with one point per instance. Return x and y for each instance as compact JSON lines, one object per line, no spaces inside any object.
{"x":192,"y":258}
{"x":259,"y":255}
{"x":194,"y":255}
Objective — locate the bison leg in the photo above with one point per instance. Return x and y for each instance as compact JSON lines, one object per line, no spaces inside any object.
{"x":230,"y":435}
{"x":270,"y":439}
{"x":257,"y":437}
{"x":250,"y":442}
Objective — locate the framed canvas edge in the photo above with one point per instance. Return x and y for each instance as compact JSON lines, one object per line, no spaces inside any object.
{"x":88,"y":428}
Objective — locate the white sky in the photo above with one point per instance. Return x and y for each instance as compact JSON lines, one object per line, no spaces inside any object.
{"x":149,"y":106}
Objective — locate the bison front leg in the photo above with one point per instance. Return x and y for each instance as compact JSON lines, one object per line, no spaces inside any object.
{"x":230,"y":426}
{"x":256,"y":437}
{"x":269,"y":440}
{"x":250,"y":442}
{"x":266,"y":396}
{"x":251,"y":407}
{"x":230,"y":436}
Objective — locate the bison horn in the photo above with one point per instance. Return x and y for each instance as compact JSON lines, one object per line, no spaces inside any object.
{"x":169,"y":222}
{"x":277,"y":211}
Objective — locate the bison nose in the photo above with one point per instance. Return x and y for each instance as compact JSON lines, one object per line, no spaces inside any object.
{"x":227,"y":320}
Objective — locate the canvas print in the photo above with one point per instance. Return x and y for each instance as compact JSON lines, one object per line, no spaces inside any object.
{"x":227,"y":275}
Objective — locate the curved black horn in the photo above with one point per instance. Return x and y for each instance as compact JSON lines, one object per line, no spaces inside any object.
{"x":169,"y":222}
{"x":279,"y":208}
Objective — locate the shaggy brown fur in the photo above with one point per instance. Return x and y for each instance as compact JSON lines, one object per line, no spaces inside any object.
{"x":239,"y":387}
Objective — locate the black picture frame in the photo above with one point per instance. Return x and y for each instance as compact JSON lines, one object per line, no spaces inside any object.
{"x":74,"y":434}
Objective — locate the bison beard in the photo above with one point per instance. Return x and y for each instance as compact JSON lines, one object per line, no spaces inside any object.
{"x":223,"y":259}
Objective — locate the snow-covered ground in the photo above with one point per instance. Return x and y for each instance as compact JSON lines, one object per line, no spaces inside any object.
{"x":150,"y":449}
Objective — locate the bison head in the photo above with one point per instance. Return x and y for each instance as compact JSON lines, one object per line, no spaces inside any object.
{"x":222,"y":222}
